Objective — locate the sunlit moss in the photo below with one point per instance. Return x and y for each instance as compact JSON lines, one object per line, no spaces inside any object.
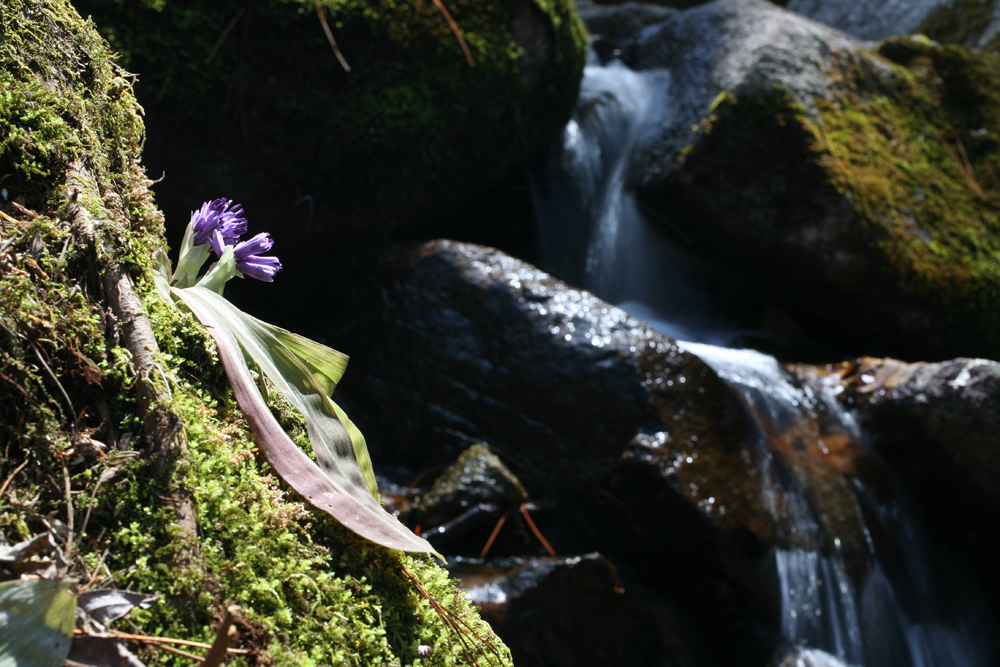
{"x":312,"y":593}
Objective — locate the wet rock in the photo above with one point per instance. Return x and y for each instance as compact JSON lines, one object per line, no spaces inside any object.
{"x":953,"y":21}
{"x":639,"y":442}
{"x":477,"y":477}
{"x":803,"y":163}
{"x":937,"y":425}
{"x":804,"y":657}
{"x":619,"y":24}
{"x":570,"y":611}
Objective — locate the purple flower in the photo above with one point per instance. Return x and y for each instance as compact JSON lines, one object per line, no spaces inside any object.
{"x":249,"y":262}
{"x":218,"y":225}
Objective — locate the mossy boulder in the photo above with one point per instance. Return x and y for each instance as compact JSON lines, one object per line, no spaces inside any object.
{"x":968,"y":22}
{"x":75,"y":435}
{"x":246,"y":100}
{"x":859,"y":188}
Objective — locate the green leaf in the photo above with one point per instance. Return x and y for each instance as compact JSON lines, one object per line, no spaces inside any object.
{"x":337,"y":486}
{"x":326,"y":364}
{"x":36,"y":622}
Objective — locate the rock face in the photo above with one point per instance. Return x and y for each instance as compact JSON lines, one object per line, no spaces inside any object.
{"x":938,"y":425}
{"x":571,"y":612}
{"x":953,"y":21}
{"x":832,"y":176}
{"x":248,"y":101}
{"x":639,"y":443}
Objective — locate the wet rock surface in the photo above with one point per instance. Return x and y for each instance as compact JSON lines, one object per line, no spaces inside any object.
{"x":639,"y":445}
{"x":556,"y":612}
{"x":477,"y":477}
{"x":938,"y":426}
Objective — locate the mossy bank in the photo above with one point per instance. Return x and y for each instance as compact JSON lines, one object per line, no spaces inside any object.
{"x":874,"y":216}
{"x":70,"y":428}
{"x":247,"y":100}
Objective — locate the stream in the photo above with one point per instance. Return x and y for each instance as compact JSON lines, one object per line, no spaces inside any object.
{"x":858,"y":582}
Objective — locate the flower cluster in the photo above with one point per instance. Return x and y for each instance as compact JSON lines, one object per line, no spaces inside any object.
{"x":217,"y":227}
{"x":219,"y":224}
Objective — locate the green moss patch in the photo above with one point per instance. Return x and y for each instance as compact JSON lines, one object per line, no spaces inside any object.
{"x":251,"y":98}
{"x":882,"y":200}
{"x":72,"y":448}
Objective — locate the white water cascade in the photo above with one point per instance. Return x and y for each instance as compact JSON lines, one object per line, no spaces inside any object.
{"x":883,"y":602}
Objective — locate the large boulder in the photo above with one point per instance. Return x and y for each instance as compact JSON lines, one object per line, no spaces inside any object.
{"x":838,"y":179}
{"x":247,"y":101}
{"x":562,"y":612}
{"x":953,"y":21}
{"x":635,"y":440}
{"x":937,"y":425}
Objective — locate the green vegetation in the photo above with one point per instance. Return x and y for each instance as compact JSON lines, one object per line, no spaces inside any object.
{"x":253,"y":98}
{"x":887,"y":193}
{"x":312,"y":593}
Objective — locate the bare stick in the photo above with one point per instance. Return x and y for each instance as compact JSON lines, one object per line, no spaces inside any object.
{"x":534,"y":529}
{"x":454,"y":29}
{"x":225,"y":635}
{"x":493,"y":536}
{"x":167,"y":640}
{"x":69,"y":511}
{"x":329,"y":37}
{"x":3,"y":489}
{"x":225,"y":33}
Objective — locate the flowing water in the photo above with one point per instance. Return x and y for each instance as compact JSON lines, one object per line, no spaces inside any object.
{"x":857,"y":583}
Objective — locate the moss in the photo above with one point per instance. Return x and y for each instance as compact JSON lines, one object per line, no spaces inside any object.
{"x":885,"y":195}
{"x":312,"y":593}
{"x":962,"y":22}
{"x":266,"y":108}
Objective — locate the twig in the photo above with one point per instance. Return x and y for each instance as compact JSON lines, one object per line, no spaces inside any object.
{"x":534,"y":529}
{"x":69,"y":512}
{"x":964,"y":164}
{"x":223,"y":637}
{"x":178,"y":651}
{"x":148,"y":639}
{"x":72,"y":412}
{"x":329,"y":36}
{"x":3,"y":489}
{"x":454,"y":29}
{"x":455,"y":623}
{"x":493,"y":536}
{"x":225,"y":33}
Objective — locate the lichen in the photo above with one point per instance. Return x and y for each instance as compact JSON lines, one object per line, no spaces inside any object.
{"x":310,"y":591}
{"x":887,"y":190}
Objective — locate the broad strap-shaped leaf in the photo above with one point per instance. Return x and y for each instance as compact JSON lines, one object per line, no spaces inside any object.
{"x":339,"y":488}
{"x":36,"y":622}
{"x":330,"y":432}
{"x":327,"y":366}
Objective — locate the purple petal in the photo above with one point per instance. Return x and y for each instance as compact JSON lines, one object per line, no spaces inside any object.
{"x":219,"y":225}
{"x":261,"y":268}
{"x":255,"y":246}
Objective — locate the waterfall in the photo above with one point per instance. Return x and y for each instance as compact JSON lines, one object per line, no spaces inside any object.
{"x":856,"y":580}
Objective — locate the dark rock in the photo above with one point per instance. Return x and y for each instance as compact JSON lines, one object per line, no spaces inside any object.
{"x":620,"y":23}
{"x":570,"y":611}
{"x":477,"y":477}
{"x":589,"y":408}
{"x":798,"y":160}
{"x":938,"y":426}
{"x":973,"y":23}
